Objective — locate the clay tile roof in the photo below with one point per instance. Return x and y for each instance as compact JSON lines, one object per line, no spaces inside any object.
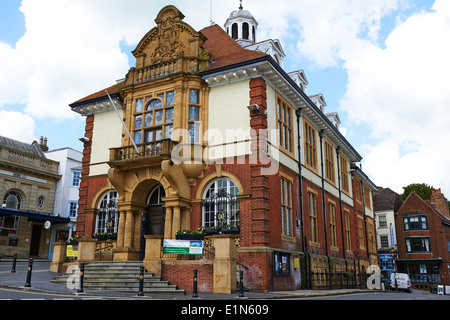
{"x":100,"y":94}
{"x":224,"y":49}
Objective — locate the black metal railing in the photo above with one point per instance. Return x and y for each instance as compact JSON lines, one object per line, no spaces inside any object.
{"x":338,"y":280}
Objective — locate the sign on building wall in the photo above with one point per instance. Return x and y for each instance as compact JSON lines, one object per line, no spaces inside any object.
{"x":183,"y":247}
{"x":72,"y":251}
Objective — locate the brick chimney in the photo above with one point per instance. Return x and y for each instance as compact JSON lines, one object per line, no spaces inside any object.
{"x":440,"y":202}
{"x":43,"y":144}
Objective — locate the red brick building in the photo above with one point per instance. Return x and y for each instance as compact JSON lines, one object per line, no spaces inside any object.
{"x":423,"y":235}
{"x":257,"y":131}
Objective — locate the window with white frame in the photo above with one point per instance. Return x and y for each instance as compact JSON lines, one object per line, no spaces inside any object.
{"x":76,"y":178}
{"x":417,"y":244}
{"x":73,"y":209}
{"x":12,"y":200}
{"x":384,"y":241}
{"x":382,"y":222}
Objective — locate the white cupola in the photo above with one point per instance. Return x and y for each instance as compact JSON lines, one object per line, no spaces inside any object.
{"x":241,"y":26}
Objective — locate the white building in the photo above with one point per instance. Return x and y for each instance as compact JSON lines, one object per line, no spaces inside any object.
{"x":386,"y":206}
{"x":67,"y":191}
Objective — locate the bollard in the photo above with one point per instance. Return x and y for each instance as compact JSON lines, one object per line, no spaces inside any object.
{"x":13,"y":270}
{"x":141,"y":282}
{"x":195,"y":294}
{"x":81,"y":289}
{"x":30,"y":269}
{"x":241,"y":284}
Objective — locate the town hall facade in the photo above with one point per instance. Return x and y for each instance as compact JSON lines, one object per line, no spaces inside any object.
{"x":208,"y":131}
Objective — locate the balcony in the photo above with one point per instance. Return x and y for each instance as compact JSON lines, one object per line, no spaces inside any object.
{"x":156,"y":150}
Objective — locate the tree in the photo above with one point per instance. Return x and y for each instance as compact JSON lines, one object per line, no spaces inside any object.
{"x":421,"y":189}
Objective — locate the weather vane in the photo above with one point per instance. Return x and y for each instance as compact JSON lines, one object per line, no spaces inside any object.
{"x":241,"y":7}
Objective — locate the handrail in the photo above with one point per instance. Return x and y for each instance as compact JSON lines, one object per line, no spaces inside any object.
{"x":149,"y":149}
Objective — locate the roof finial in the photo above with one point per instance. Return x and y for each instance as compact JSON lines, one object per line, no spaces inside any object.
{"x":241,"y":7}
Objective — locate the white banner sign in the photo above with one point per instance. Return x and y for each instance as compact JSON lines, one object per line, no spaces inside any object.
{"x":183,"y":247}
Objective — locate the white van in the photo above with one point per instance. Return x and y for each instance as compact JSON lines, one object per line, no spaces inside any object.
{"x":402,"y":281}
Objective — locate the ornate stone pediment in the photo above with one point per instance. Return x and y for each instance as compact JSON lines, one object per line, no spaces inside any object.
{"x":161,"y":50}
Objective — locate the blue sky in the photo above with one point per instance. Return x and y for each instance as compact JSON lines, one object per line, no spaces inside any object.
{"x":380,"y":63}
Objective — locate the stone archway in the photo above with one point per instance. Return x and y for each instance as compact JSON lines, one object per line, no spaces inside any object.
{"x":134,"y":186}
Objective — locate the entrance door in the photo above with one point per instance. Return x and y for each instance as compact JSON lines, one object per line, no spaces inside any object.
{"x":155,"y":221}
{"x":35,"y":240}
{"x":156,"y":213}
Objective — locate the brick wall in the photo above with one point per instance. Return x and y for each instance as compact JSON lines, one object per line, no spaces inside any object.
{"x":182,"y":274}
{"x":89,"y":187}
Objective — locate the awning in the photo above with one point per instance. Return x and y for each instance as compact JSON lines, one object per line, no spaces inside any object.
{"x":32,"y":215}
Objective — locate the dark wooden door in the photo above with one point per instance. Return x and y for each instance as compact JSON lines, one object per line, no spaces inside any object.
{"x":35,"y":240}
{"x":155,"y":221}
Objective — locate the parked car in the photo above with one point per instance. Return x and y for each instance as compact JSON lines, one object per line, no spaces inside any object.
{"x":400,"y":281}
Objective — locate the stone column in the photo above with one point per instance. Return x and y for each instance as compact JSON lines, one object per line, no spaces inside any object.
{"x":168,"y":226}
{"x":185,"y":218}
{"x":176,"y":224}
{"x":121,"y":229}
{"x":129,"y":230}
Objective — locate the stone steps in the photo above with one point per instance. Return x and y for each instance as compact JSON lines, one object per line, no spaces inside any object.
{"x":120,"y":277}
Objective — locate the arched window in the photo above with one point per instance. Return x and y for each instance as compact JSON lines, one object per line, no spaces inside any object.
{"x":245,"y":30}
{"x":234,"y":31}
{"x":221,"y":206}
{"x":12,"y":200}
{"x":155,"y":198}
{"x":108,"y":214}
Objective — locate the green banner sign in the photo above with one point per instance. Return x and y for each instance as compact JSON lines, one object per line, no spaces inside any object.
{"x":183,"y":247}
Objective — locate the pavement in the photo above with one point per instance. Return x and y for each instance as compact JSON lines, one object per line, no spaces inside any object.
{"x":41,"y":282}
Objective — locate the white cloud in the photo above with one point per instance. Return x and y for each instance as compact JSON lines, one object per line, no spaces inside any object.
{"x":16,"y":125}
{"x":399,"y":89}
{"x":401,"y":93}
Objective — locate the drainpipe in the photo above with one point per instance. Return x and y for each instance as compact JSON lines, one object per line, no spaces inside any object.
{"x":323,"y":202}
{"x":338,"y":153}
{"x":300,"y":185}
{"x":365,"y":219}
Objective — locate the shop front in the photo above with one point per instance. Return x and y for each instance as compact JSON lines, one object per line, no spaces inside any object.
{"x":27,"y":233}
{"x":423,"y":273}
